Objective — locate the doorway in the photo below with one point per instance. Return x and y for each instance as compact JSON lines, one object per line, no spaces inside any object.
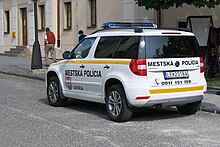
{"x":24,"y":25}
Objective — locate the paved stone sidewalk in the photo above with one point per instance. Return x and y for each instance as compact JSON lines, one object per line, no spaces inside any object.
{"x":211,"y":101}
{"x":21,"y":66}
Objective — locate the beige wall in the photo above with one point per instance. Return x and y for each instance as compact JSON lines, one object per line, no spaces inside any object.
{"x":133,"y":13}
{"x":107,"y":10}
{"x":171,"y":16}
{"x":22,"y":2}
{"x":50,"y":20}
{"x":7,"y":6}
{"x":68,"y":37}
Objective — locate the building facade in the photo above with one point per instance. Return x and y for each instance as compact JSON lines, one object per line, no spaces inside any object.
{"x":173,"y":17}
{"x":66,"y":17}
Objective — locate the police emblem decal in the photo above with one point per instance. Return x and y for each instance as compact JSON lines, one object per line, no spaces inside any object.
{"x":68,"y":81}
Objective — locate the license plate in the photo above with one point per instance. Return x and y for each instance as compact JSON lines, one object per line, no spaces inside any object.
{"x":176,"y":75}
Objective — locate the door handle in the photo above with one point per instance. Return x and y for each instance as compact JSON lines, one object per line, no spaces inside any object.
{"x":106,"y":67}
{"x":82,"y":66}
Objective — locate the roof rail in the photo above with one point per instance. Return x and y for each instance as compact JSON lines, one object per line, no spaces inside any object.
{"x":140,"y":29}
{"x":177,"y":29}
{"x":136,"y":30}
{"x":109,"y":25}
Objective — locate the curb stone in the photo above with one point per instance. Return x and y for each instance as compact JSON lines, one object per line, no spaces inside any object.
{"x":209,"y":110}
{"x":25,"y":76}
{"x":214,"y":88}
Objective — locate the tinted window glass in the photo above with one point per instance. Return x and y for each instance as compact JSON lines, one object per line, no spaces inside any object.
{"x":83,"y":48}
{"x":128,"y":47}
{"x":106,"y":47}
{"x":171,"y":46}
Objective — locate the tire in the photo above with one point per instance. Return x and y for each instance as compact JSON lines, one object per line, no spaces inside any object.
{"x":116,"y":104}
{"x":190,"y":108}
{"x":54,"y":93}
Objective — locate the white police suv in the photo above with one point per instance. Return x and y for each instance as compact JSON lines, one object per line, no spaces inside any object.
{"x":127,"y":66}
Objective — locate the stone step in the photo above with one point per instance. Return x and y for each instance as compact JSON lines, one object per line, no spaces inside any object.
{"x":19,"y":49}
{"x":9,"y":54}
{"x":2,"y":54}
{"x":16,"y":54}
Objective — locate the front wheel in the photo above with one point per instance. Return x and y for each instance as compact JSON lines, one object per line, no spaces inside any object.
{"x":116,"y":104}
{"x":53,"y":92}
{"x":190,"y":108}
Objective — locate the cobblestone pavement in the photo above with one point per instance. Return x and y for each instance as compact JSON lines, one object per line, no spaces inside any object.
{"x":21,"y":66}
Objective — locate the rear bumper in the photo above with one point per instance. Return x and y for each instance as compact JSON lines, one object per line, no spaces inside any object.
{"x":173,"y":101}
{"x":168,"y":96}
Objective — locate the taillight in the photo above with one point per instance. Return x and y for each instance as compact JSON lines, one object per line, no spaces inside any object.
{"x":201,"y":65}
{"x":138,"y":67}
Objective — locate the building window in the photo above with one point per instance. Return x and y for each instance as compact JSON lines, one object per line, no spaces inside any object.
{"x":41,"y":18}
{"x":6,"y":22}
{"x":67,"y":16}
{"x":182,"y":24}
{"x":91,"y":13}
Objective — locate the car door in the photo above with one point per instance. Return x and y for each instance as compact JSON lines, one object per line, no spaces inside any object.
{"x":73,"y":70}
{"x":100,"y":66}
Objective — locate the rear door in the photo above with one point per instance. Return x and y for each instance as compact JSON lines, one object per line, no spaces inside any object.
{"x":172,"y":60}
{"x":173,"y":71}
{"x":100,"y":66}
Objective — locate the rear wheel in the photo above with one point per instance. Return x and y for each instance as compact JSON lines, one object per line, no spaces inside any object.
{"x":190,"y":108}
{"x":53,"y":92}
{"x":116,"y":104}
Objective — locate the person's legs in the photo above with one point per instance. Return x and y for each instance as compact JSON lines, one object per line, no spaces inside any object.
{"x":53,"y":53}
{"x":47,"y":48}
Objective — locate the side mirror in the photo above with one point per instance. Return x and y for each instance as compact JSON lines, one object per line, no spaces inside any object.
{"x":66,"y":55}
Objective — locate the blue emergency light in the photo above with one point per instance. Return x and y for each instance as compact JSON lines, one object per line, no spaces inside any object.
{"x":108,"y":25}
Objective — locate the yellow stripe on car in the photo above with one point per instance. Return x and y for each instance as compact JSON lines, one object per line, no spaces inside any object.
{"x":125,"y":62}
{"x":172,"y":90}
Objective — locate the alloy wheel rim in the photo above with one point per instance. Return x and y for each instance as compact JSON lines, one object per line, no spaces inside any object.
{"x":53,"y":92}
{"x":115,"y":103}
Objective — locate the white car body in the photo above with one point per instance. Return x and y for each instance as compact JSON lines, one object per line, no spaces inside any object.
{"x":86,"y":78}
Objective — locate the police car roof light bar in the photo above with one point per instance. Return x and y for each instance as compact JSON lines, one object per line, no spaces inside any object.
{"x":109,"y":25}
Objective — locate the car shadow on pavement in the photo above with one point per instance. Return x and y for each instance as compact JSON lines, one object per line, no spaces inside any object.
{"x":44,"y":100}
{"x":145,"y":114}
{"x":149,"y":114}
{"x":83,"y":106}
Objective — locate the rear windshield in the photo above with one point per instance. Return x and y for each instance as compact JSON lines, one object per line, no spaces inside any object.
{"x":171,"y":46}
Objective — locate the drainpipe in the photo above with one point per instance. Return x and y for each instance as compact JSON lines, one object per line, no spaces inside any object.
{"x":58,"y":23}
{"x":159,"y":18}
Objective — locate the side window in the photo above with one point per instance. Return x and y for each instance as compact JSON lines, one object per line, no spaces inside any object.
{"x":82,"y":49}
{"x":128,"y":47}
{"x":106,"y":47}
